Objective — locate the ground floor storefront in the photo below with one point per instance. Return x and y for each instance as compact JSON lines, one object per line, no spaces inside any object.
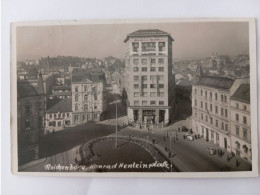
{"x":85,"y":117}
{"x":241,"y":148}
{"x":144,"y":117}
{"x":212,"y":135}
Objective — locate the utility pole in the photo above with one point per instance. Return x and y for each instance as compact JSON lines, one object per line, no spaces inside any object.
{"x":171,"y":150}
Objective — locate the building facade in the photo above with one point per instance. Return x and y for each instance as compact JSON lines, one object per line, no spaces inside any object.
{"x":212,"y":107}
{"x":240,"y":122}
{"x":58,"y":116}
{"x":150,"y":81}
{"x":30,"y":121}
{"x":88,"y":96}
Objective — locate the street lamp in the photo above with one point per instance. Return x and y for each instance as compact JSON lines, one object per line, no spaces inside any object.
{"x":171,"y":150}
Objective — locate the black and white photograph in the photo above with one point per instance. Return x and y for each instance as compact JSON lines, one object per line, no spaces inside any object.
{"x":174,"y":97}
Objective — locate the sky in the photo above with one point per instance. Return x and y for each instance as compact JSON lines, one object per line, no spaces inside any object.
{"x":191,"y":40}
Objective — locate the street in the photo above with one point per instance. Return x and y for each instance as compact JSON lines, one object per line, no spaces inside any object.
{"x":61,"y":146}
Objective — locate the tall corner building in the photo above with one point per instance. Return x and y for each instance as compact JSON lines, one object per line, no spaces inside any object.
{"x":150,"y":82}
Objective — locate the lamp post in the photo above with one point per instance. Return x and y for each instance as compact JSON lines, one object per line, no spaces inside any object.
{"x":171,"y":150}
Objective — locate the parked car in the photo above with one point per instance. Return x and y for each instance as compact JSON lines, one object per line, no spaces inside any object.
{"x":190,"y":137}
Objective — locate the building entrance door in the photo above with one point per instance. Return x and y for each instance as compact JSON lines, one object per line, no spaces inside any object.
{"x":161,"y":116}
{"x":207,"y":134}
{"x":136,"y":115}
{"x":225,"y":143}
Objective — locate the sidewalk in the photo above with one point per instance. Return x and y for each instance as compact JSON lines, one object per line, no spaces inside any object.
{"x":190,"y":156}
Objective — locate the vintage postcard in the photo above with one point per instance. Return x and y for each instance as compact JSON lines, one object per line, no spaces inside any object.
{"x":134,"y":98}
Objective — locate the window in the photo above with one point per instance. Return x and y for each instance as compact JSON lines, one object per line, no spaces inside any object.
{"x":153,"y":61}
{"x":144,"y":86}
{"x":195,"y":102}
{"x":144,"y":103}
{"x":144,"y":61}
{"x":153,"y":69}
{"x":245,"y":134}
{"x":206,"y":118}
{"x":201,"y":104}
{"x":195,"y":91}
{"x":152,"y":102}
{"x":226,"y":113}
{"x":85,"y":98}
{"x":136,"y":103}
{"x":136,"y":78}
{"x":76,"y":109}
{"x":136,"y":69}
{"x":85,"y":107}
{"x":206,"y":106}
{"x":76,"y":98}
{"x":217,"y":136}
{"x":161,"y":86}
{"x":63,"y":115}
{"x":201,"y":92}
{"x":210,"y":107}
{"x":201,"y":116}
{"x":161,"y":69}
{"x":216,"y":123}
{"x":76,"y":89}
{"x":68,"y":114}
{"x":95,"y":96}
{"x":59,"y":115}
{"x":237,"y":130}
{"x":206,"y":93}
{"x":210,"y":95}
{"x":222,"y":99}
{"x":135,"y":46}
{"x":237,"y":117}
{"x":153,"y":94}
{"x":152,"y":86}
{"x":144,"y":69}
{"x":136,"y":61}
{"x":225,"y":98}
{"x":144,"y":94}
{"x":59,"y":124}
{"x":244,"y":119}
{"x":148,"y":46}
{"x":226,"y":127}
{"x":211,"y":120}
{"x":50,"y":115}
{"x":244,"y":108}
{"x":161,"y":61}
{"x":136,"y":86}
{"x":222,"y":111}
{"x":144,"y":78}
{"x":136,"y":94}
{"x":76,"y":118}
{"x":222,"y":126}
{"x":85,"y":88}
{"x":161,"y":102}
{"x":216,"y":109}
{"x":216,"y":96}
{"x":237,"y":105}
{"x":161,"y":46}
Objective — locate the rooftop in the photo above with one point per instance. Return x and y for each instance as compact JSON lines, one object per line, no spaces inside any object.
{"x":242,"y":94}
{"x":216,"y":82}
{"x":64,"y":105}
{"x":82,"y":75}
{"x":148,"y":33}
{"x":61,"y":87}
{"x":25,"y":89}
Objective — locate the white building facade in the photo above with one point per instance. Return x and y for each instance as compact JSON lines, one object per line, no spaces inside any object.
{"x":150,"y":82}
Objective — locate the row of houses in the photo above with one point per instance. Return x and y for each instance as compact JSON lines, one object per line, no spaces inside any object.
{"x":221,"y":112}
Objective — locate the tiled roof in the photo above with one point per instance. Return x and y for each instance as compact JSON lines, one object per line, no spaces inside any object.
{"x":242,"y":93}
{"x":216,"y":82}
{"x":81,"y":75}
{"x":24,"y":89}
{"x":148,"y":33}
{"x":64,"y":105}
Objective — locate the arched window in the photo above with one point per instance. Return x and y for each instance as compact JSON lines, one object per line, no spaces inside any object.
{"x":85,"y":107}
